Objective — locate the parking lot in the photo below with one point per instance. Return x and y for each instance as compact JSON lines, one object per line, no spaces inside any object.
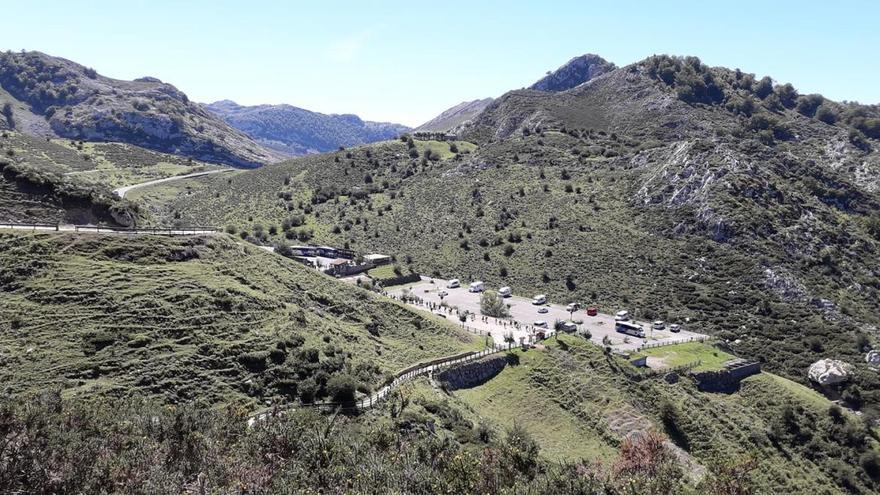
{"x":523,"y":315}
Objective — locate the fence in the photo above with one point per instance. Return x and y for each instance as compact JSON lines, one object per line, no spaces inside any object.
{"x":674,"y":342}
{"x":401,"y":377}
{"x":108,"y":229}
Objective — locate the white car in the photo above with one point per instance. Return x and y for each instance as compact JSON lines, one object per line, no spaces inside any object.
{"x":542,"y":310}
{"x":539,"y":299}
{"x":540,"y":324}
{"x":442,"y":293}
{"x":572,"y":307}
{"x":505,"y":292}
{"x":658,"y":325}
{"x":453,"y":284}
{"x":675,"y":328}
{"x":622,"y":315}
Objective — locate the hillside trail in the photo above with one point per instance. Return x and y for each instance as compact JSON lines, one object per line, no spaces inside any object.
{"x":121,"y":192}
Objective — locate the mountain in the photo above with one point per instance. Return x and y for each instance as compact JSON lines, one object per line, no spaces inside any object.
{"x":683,"y":190}
{"x":294,"y":131}
{"x":53,"y":97}
{"x":574,"y":73}
{"x":455,"y":116}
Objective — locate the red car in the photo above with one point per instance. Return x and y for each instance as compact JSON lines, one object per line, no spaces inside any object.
{"x":592,"y":311}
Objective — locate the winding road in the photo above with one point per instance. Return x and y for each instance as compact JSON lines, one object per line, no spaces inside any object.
{"x":123,"y":190}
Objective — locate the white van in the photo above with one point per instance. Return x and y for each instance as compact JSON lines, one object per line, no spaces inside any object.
{"x":476,"y":287}
{"x":505,"y":292}
{"x":540,"y":324}
{"x":539,"y":299}
{"x":453,"y":284}
{"x":622,"y":315}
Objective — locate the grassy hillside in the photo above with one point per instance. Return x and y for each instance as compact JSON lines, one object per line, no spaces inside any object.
{"x":576,"y":404}
{"x":604,"y":219}
{"x":193,"y":319}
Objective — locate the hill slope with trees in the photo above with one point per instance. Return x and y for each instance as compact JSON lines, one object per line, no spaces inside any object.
{"x":53,"y":97}
{"x":295,"y":131}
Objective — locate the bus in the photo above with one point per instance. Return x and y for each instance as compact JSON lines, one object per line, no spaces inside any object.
{"x":630,"y":328}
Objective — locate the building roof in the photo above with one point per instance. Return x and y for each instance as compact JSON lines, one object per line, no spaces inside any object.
{"x":376,"y":256}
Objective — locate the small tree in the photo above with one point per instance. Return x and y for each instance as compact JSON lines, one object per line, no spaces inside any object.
{"x":341,"y":388}
{"x":491,"y":304}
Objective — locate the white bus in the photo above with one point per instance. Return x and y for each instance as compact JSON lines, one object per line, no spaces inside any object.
{"x":629,"y":328}
{"x":476,"y":287}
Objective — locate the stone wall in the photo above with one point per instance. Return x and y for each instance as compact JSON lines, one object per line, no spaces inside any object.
{"x":727,"y":379}
{"x":472,"y":374}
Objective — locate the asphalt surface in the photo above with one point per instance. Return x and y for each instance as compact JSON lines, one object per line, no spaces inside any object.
{"x":123,"y":190}
{"x":523,"y":315}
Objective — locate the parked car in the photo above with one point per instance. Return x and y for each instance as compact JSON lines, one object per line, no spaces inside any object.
{"x":539,"y":299}
{"x":572,"y":307}
{"x":592,"y":311}
{"x":540,"y":324}
{"x":622,"y":315}
{"x":658,"y":325}
{"x":569,"y":327}
{"x":543,"y":310}
{"x":675,"y":327}
{"x":476,"y":287}
{"x":453,"y":284}
{"x":505,"y":292}
{"x":442,"y":293}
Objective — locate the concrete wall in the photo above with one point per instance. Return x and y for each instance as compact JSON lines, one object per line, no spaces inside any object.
{"x":720,"y":381}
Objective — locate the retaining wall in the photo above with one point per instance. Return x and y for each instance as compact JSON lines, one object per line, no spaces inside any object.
{"x":472,"y":374}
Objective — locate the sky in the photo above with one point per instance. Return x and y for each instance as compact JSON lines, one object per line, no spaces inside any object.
{"x":406,"y":62}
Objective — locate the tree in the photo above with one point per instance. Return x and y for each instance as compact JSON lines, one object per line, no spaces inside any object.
{"x":826,"y":114}
{"x":787,"y":95}
{"x":341,"y":387}
{"x":764,"y":87}
{"x":491,"y":304}
{"x":7,"y":113}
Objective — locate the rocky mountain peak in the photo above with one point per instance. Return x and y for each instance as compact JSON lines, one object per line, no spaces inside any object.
{"x":574,"y":73}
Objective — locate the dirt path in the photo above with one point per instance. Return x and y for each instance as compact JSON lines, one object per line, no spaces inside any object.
{"x":123,"y":190}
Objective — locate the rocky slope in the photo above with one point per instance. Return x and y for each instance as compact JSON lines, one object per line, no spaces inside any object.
{"x":294,"y":131}
{"x":54,"y":97}
{"x":574,"y":73}
{"x":455,"y":116}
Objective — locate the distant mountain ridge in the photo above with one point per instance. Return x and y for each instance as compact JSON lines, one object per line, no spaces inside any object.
{"x":54,"y":97}
{"x":296,"y":131}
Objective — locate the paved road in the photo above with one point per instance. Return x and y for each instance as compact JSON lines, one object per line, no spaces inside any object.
{"x":524,"y":313}
{"x":91,"y":229}
{"x":123,"y":190}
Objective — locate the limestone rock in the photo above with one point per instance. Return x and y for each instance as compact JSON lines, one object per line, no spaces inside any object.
{"x":829,"y":372}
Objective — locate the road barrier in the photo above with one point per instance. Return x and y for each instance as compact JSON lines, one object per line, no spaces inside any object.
{"x":674,"y":342}
{"x":106,"y":229}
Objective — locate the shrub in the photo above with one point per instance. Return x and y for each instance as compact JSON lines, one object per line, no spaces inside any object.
{"x":491,"y":304}
{"x":341,"y":388}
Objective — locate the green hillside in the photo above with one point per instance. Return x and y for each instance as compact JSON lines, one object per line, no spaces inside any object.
{"x":202,"y":319}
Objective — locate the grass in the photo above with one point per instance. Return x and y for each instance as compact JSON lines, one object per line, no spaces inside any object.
{"x":192,"y":319}
{"x":510,"y":399}
{"x":710,"y":357}
{"x":384,"y":271}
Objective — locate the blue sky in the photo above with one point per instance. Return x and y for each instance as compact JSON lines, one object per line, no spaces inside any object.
{"x":407,"y":61}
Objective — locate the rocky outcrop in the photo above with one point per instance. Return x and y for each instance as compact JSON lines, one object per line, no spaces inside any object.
{"x":78,"y":103}
{"x":574,"y":73}
{"x":829,"y":372}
